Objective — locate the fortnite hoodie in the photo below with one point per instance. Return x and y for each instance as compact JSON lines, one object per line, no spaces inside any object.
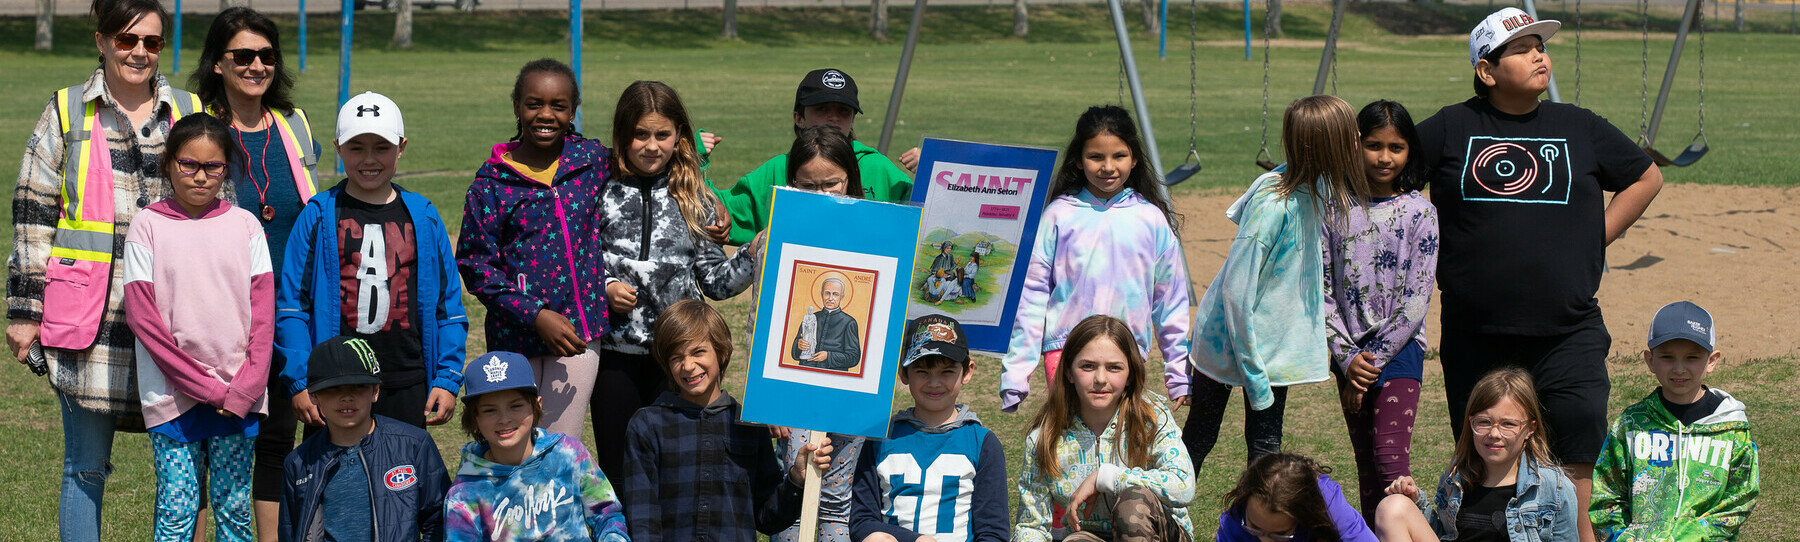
{"x":558,"y":493}
{"x":1660,"y":479}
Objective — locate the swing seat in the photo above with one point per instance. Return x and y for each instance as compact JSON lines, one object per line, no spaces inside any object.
{"x":1267,"y":165}
{"x":1181,"y":173}
{"x":1688,"y":156}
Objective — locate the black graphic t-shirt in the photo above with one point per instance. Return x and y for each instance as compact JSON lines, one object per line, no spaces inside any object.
{"x":1521,"y":212}
{"x":1483,"y":514}
{"x":377,"y":260}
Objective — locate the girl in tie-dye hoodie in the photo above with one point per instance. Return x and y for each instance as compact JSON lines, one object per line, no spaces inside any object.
{"x":1261,"y":324}
{"x":1106,"y":245}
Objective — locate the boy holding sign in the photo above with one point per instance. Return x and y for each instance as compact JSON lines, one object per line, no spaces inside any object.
{"x":937,"y":443}
{"x":692,"y":471}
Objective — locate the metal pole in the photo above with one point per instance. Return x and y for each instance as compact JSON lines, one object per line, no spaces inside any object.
{"x":1330,"y":54}
{"x":1246,"y":29}
{"x":1137,"y":91}
{"x":906,"y":56}
{"x":1531,"y":9}
{"x":1162,"y":34}
{"x":302,"y":36}
{"x":1662,"y":97}
{"x":177,"y":16}
{"x":345,"y":23}
{"x":575,"y":49}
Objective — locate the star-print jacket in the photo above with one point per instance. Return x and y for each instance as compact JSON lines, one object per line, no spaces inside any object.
{"x":526,"y":246}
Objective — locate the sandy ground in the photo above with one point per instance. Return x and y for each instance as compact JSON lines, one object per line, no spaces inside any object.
{"x":1733,"y":250}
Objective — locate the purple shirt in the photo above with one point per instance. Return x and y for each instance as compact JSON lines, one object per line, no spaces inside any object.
{"x":1378,"y":278}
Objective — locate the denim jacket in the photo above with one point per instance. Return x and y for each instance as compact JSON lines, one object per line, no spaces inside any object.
{"x":1542,"y":508}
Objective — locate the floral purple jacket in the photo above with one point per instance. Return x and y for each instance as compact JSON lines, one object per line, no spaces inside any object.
{"x":526,"y":246}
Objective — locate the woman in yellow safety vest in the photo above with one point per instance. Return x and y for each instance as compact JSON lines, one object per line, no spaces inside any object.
{"x":93,"y":160}
{"x":244,"y":81}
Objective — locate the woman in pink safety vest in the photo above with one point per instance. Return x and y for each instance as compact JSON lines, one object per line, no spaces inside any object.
{"x":92,"y":161}
{"x":244,"y":80}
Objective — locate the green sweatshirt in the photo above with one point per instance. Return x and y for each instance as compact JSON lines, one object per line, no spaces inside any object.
{"x":748,"y":201}
{"x":1660,"y":480}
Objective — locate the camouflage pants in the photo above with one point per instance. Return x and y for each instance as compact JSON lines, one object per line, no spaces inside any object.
{"x":1138,"y":516}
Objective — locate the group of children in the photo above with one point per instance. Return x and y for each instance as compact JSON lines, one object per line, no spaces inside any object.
{"x":593,"y":262}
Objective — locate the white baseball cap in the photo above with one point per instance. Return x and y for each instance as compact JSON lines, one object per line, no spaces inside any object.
{"x":1504,"y":26}
{"x":370,"y":113}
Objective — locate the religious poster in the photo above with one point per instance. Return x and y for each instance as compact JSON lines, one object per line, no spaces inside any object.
{"x":981,"y":206}
{"x":830,"y":316}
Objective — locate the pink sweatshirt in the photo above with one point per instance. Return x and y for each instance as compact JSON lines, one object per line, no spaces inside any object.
{"x":200,"y":295}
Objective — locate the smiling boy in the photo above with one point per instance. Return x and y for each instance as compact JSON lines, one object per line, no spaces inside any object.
{"x":1679,"y":465}
{"x":937,"y":443}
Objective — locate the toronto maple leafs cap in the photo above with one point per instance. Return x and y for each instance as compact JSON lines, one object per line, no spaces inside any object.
{"x":935,"y":335}
{"x":1682,"y":320}
{"x":497,"y":371}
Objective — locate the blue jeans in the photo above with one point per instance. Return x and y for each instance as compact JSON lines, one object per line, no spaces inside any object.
{"x":87,"y":455}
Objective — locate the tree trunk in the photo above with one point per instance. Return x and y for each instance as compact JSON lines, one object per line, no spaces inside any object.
{"x":1020,"y":25}
{"x":46,"y":17}
{"x":403,"y":24}
{"x":1740,"y":15}
{"x":224,"y":5}
{"x":730,"y":30}
{"x":878,"y":19}
{"x":1274,"y":19}
{"x":1152,"y":24}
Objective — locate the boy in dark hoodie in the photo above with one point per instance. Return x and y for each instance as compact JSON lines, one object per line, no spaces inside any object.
{"x":937,"y":442}
{"x":1679,"y":465}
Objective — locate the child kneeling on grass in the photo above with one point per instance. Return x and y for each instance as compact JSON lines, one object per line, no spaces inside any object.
{"x":366,"y":476}
{"x":1105,"y":448}
{"x":893,"y":498}
{"x":518,"y":482}
{"x":692,"y":471}
{"x":1680,"y":464}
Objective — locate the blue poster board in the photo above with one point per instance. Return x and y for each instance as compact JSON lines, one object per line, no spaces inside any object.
{"x":981,"y":207}
{"x":831,"y":313}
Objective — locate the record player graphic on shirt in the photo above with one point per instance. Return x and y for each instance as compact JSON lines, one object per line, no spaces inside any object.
{"x":1517,"y":170}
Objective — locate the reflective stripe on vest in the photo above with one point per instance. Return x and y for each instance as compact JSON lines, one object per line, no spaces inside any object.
{"x":299,"y":145}
{"x":79,"y":272}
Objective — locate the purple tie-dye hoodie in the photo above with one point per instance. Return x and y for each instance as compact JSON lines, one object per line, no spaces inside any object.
{"x":1117,"y":257}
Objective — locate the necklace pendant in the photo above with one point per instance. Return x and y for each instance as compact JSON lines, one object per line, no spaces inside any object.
{"x":268,"y":213}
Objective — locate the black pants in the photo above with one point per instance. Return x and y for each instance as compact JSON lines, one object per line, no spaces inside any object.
{"x":625,"y":383}
{"x":1569,"y":372}
{"x":1207,"y":399}
{"x":274,"y":439}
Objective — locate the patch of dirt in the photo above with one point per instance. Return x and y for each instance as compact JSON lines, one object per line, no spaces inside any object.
{"x":1733,"y":250}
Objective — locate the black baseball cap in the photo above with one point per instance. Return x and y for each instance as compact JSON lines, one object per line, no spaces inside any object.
{"x":935,"y":335}
{"x":341,"y":361}
{"x":827,"y":86}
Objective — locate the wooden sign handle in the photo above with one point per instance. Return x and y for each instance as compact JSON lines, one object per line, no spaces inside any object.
{"x":809,"y":494}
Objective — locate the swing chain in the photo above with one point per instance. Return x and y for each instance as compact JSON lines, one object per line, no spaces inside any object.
{"x":1577,"y":53}
{"x":1122,"y":102}
{"x":1193,"y":80}
{"x":1644,"y":77}
{"x":1265,"y":95}
{"x":1702,"y":121}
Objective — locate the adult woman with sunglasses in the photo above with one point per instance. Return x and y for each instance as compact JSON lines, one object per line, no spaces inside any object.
{"x":93,"y":160}
{"x":243,"y":82}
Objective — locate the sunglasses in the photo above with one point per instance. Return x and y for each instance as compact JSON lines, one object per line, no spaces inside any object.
{"x":1252,"y":531}
{"x":190,"y":167}
{"x":126,"y":42}
{"x":243,"y":57}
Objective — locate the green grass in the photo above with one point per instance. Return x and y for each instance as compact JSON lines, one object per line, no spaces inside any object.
{"x":970,"y":80}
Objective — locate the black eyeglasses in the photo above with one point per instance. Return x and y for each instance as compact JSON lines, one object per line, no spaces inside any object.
{"x":243,"y":57}
{"x":127,"y":41}
{"x":190,"y":167}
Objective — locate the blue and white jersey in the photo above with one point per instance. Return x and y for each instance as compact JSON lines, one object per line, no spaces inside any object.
{"x":946,"y":481}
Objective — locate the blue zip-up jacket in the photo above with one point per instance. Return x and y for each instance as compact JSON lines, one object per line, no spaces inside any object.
{"x":308,"y":302}
{"x":406,"y":477}
{"x":1542,"y":508}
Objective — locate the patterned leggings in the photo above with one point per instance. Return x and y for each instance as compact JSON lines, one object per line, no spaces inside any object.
{"x":1381,"y":435}
{"x":227,"y":460}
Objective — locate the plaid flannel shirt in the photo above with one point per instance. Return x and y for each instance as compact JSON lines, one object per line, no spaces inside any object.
{"x":696,"y":473}
{"x":102,"y":378}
